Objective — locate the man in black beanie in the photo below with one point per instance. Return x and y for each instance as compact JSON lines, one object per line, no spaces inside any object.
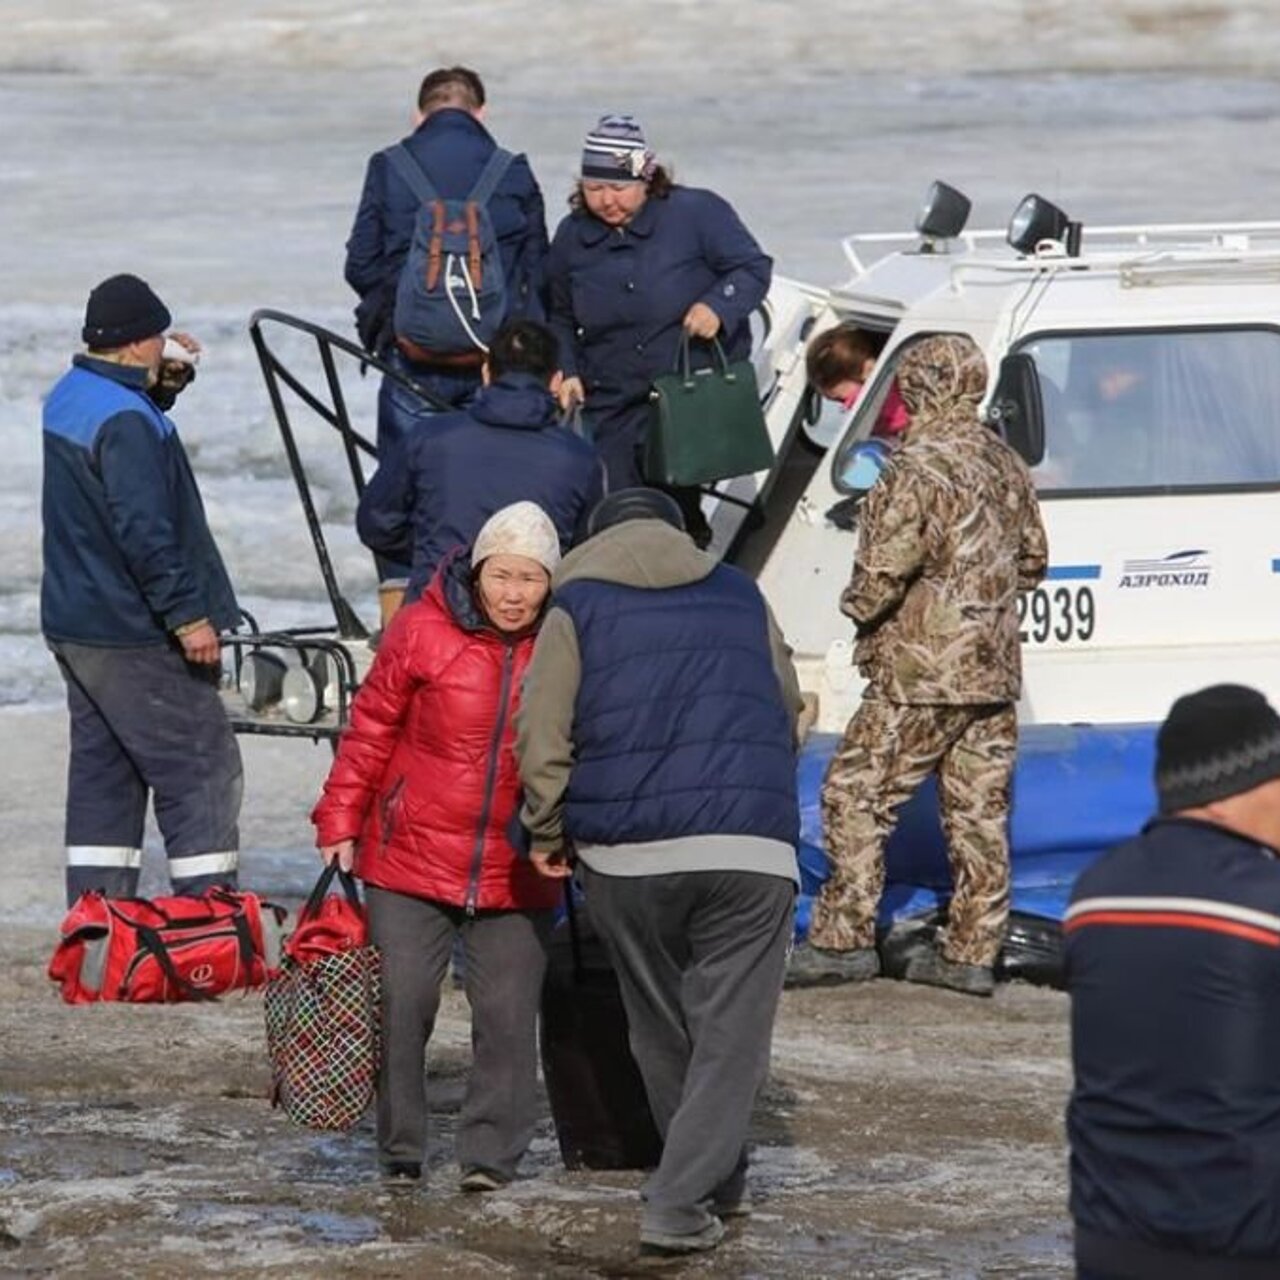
{"x":133,"y":597}
{"x":1173,"y":964}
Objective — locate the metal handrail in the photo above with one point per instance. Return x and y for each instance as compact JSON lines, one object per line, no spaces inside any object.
{"x":334,"y":412}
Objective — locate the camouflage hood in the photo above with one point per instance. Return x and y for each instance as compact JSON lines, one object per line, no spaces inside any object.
{"x":942,"y":381}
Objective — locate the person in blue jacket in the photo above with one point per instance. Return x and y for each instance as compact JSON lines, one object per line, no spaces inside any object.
{"x":133,"y":596}
{"x":637,"y":264}
{"x":435,"y":490}
{"x":1173,"y":965}
{"x":450,"y":142}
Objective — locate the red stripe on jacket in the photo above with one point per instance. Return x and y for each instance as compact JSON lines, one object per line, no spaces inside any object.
{"x":1176,"y":920}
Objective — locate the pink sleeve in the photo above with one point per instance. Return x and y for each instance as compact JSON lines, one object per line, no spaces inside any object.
{"x":893,"y":417}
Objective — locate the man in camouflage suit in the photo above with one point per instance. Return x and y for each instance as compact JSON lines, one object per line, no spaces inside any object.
{"x":950,"y":535}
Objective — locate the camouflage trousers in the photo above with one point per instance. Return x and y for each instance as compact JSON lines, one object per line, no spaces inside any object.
{"x":887,"y":752}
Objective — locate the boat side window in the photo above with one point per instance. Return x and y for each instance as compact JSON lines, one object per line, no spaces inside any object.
{"x":879,"y":412}
{"x":1158,"y":409}
{"x":829,"y":407}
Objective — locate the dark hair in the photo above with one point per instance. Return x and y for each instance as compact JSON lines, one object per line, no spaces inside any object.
{"x":840,"y":353}
{"x":524,"y":346}
{"x":451,"y":87}
{"x":659,"y":187}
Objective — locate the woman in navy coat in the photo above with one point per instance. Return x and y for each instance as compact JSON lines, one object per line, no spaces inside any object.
{"x":638,"y":263}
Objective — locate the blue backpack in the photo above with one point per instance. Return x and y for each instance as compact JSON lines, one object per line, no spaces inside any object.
{"x":452,"y":293}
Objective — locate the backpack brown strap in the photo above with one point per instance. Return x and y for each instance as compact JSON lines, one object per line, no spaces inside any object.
{"x":474,"y":267}
{"x":435,"y":250}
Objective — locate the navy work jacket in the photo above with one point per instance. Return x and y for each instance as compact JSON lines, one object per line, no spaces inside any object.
{"x":453,"y":147}
{"x":440,"y":484}
{"x":1173,"y":964}
{"x":617,"y":296}
{"x":128,"y":556}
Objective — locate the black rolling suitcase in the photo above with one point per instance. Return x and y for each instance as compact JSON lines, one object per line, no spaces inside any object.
{"x":597,"y":1097}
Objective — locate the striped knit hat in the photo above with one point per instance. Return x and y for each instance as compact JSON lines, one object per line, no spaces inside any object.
{"x":1216,"y":743}
{"x":615,"y":151}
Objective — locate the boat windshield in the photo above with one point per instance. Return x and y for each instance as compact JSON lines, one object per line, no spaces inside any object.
{"x":1159,"y":410}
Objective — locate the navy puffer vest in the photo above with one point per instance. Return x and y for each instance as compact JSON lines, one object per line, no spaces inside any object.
{"x":679,"y":728}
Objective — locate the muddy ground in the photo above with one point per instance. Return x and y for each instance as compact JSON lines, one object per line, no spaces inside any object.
{"x":904,"y":1132}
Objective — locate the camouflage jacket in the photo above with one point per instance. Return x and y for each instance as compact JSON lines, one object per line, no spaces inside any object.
{"x":949,"y":536}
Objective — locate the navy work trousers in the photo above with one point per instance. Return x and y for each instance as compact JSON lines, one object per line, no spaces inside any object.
{"x":699,"y":957}
{"x":144,"y":720}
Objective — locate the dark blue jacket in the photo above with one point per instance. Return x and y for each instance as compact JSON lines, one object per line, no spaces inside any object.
{"x":1173,"y":964}
{"x":452,"y":472}
{"x":128,"y":555}
{"x":453,"y":147}
{"x":617,"y":297}
{"x":679,"y":728}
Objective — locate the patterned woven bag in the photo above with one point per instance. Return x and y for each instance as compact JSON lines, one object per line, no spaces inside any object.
{"x":323,"y":1012}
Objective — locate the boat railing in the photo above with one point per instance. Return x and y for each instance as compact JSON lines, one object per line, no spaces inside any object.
{"x":330,"y":656}
{"x":1236,"y":241}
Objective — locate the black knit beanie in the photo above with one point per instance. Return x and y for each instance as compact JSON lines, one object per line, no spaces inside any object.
{"x":122,"y":310}
{"x":634,"y":504}
{"x":1216,"y":743}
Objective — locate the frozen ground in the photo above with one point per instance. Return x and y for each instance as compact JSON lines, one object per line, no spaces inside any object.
{"x":905,"y":1133}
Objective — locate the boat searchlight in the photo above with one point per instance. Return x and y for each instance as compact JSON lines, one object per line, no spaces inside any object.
{"x":1036,"y":222}
{"x":943,"y":214}
{"x":294,"y":681}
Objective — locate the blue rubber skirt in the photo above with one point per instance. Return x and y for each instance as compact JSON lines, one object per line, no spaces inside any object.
{"x":1077,"y":790}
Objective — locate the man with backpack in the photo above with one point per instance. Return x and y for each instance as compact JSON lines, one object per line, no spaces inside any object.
{"x":435,"y":488}
{"x":447,"y":244}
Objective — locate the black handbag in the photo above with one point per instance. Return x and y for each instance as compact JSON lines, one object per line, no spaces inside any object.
{"x":707,"y":424}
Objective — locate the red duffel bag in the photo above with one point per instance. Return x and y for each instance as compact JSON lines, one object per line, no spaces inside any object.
{"x":162,"y":950}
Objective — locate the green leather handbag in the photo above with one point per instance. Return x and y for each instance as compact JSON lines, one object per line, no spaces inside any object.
{"x":707,"y":424}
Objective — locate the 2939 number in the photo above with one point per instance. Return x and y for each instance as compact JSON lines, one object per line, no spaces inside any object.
{"x":1063,"y":613}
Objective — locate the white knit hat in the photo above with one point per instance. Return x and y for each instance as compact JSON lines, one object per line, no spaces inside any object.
{"x":522,"y":529}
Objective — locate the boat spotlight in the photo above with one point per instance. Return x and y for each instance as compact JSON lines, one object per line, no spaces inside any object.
{"x":304,"y":687}
{"x":944,"y":212}
{"x":1036,"y":220}
{"x":261,"y":679}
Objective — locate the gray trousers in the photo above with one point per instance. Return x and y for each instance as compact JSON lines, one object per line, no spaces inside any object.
{"x":146,"y":721}
{"x":700,"y":958}
{"x":505,"y":960}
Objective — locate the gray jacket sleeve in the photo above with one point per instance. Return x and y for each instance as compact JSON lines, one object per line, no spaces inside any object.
{"x":785,"y":670}
{"x":544,"y":729}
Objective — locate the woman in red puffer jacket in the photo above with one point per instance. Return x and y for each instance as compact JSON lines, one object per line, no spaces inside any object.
{"x":420,"y":799}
